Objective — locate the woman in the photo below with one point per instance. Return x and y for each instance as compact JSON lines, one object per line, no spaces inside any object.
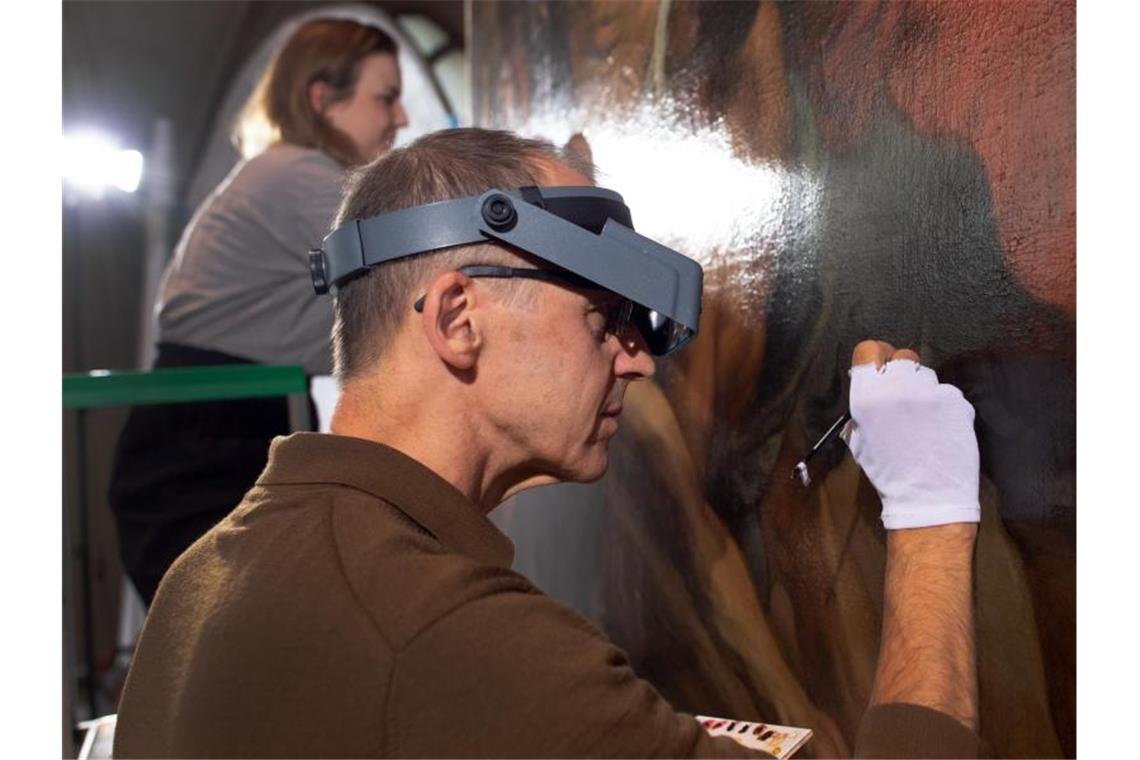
{"x":238,"y":290}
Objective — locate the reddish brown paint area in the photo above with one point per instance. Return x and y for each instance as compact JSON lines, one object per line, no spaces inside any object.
{"x":1000,"y":75}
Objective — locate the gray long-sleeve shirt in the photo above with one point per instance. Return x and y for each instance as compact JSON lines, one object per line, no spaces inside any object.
{"x":239,"y":280}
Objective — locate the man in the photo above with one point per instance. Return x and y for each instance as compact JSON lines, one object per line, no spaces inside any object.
{"x":359,"y":602}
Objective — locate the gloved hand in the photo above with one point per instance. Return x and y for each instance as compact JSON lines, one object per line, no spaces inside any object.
{"x":915,"y":440}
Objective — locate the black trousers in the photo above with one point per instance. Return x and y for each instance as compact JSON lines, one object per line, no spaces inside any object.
{"x":181,"y":468}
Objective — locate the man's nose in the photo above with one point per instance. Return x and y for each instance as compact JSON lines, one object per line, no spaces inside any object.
{"x":634,"y":360}
{"x":401,"y":115}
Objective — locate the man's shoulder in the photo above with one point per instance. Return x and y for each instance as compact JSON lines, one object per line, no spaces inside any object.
{"x":327,"y":546}
{"x":403,"y":575}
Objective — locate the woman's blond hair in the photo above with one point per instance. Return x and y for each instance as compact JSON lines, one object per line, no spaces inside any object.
{"x":279,"y":110}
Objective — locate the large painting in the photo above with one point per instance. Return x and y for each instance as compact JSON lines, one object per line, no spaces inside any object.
{"x":902,"y":171}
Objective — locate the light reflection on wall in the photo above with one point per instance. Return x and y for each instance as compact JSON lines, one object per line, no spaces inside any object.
{"x":684,"y":185}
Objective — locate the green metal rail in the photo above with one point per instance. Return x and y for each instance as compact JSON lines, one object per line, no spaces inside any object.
{"x":85,"y":390}
{"x":103,"y":388}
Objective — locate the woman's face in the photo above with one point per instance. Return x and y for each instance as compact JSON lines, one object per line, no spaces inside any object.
{"x":372,"y":116}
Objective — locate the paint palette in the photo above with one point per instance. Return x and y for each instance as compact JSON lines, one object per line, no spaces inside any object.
{"x":781,"y":741}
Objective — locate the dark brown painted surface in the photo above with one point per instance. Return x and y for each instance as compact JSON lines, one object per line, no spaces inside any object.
{"x":903,"y":171}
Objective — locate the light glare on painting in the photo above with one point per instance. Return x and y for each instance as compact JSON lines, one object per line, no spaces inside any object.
{"x":685,"y":184}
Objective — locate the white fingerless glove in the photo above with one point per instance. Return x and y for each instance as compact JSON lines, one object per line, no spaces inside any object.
{"x":915,"y":440}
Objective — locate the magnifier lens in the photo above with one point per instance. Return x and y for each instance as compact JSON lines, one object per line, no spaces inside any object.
{"x":662,"y":335}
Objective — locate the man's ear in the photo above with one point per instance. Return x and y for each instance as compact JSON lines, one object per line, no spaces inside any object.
{"x":318,"y":95}
{"x":578,"y":146}
{"x":449,"y":320}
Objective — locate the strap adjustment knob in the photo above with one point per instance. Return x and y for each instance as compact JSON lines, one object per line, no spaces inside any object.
{"x":499,"y":213}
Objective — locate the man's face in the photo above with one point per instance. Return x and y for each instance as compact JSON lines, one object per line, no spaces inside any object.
{"x":557,"y":378}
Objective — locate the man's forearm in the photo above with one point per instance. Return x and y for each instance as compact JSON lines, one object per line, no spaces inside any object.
{"x":927,"y":652}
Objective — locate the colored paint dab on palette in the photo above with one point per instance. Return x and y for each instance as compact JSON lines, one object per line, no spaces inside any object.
{"x":781,"y":741}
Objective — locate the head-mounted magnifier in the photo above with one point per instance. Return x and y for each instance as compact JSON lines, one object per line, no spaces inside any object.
{"x":585,"y":230}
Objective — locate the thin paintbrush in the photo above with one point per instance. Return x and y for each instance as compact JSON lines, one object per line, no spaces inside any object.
{"x":801,"y":469}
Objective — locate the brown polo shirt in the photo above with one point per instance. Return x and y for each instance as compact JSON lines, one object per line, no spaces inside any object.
{"x":356,"y":604}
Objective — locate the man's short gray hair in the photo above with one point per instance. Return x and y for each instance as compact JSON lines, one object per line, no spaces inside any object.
{"x":453,"y":163}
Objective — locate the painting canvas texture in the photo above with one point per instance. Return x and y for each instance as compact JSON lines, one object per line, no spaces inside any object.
{"x":903,"y":171}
